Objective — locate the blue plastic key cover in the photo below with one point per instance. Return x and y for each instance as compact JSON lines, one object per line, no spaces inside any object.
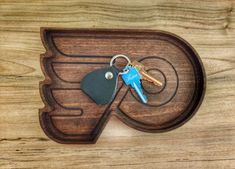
{"x":132,"y":78}
{"x":131,"y":75}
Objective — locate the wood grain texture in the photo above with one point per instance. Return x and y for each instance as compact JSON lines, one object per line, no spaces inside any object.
{"x":70,"y":116}
{"x":207,"y":141}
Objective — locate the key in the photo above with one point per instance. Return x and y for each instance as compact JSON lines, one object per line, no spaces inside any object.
{"x":145,"y":76}
{"x":132,"y":78}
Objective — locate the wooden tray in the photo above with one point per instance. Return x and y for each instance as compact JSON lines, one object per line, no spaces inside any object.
{"x":70,"y":116}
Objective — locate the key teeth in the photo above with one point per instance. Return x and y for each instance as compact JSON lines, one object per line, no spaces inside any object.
{"x":146,"y":100}
{"x":140,"y":67}
{"x":157,"y":84}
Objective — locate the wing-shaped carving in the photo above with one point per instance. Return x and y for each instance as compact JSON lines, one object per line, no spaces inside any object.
{"x":69,"y":116}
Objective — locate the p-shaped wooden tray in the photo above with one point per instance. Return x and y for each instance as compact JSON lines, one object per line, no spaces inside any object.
{"x":70,"y":116}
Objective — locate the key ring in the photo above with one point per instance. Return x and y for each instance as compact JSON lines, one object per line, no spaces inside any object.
{"x":121,"y":56}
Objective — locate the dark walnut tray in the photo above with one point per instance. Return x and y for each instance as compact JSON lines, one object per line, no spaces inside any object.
{"x":70,"y":116}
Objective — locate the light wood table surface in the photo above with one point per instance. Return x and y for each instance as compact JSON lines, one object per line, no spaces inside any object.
{"x":206,"y":141}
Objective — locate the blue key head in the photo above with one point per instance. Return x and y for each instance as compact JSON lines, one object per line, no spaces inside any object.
{"x":131,"y":76}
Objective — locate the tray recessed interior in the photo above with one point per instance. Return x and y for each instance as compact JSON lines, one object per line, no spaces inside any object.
{"x":70,"y":116}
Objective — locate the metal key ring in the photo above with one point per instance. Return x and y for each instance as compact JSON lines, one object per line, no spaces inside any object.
{"x":121,"y":56}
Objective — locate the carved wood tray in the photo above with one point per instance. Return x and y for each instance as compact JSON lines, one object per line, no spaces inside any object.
{"x":70,"y":116}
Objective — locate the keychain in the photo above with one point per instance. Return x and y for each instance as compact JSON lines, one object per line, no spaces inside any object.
{"x":101,"y":84}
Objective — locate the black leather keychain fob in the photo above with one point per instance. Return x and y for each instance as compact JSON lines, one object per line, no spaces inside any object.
{"x":101,"y":84}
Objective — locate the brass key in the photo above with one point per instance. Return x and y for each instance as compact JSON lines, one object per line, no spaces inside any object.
{"x":145,"y":76}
